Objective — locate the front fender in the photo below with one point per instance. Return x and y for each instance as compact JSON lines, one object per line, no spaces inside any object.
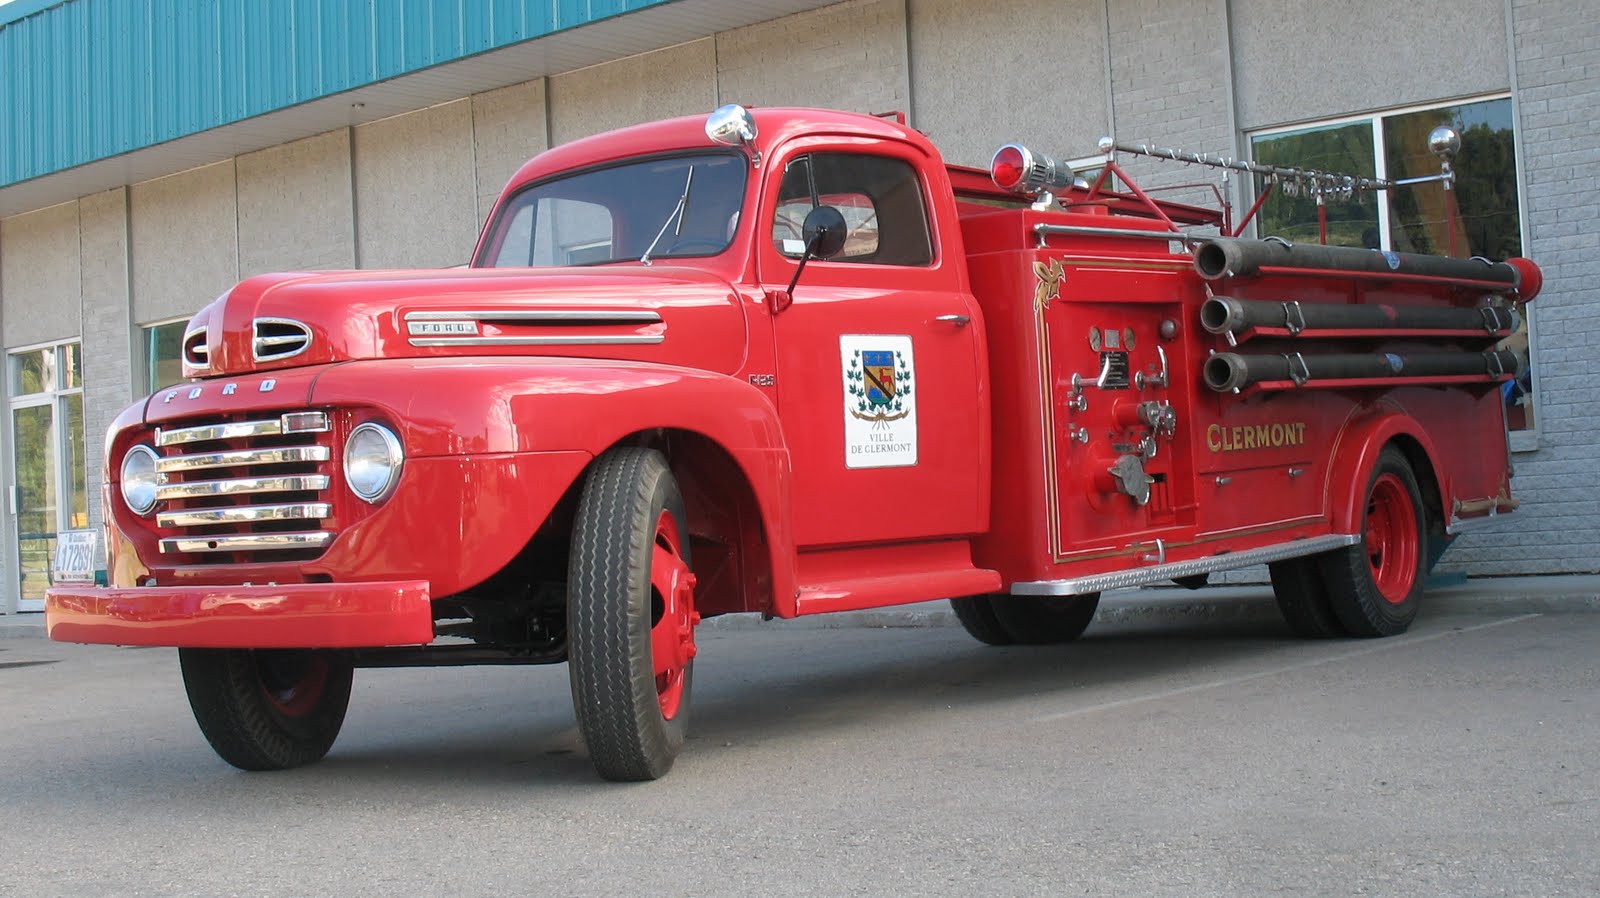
{"x":473,"y":406}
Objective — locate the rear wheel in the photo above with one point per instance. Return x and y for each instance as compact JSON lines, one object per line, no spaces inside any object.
{"x":1303,"y":598}
{"x":630,"y":616}
{"x":267,"y":710}
{"x":1045,"y":620}
{"x":1375,"y":586}
{"x":976,"y":614}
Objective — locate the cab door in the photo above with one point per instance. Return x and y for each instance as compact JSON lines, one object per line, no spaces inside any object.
{"x":879,"y":354}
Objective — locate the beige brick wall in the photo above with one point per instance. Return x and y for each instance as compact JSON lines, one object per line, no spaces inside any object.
{"x":184,"y":230}
{"x":979,"y":81}
{"x":39,"y":277}
{"x":676,"y":81}
{"x":416,"y":193}
{"x":294,"y":206}
{"x":850,"y":56}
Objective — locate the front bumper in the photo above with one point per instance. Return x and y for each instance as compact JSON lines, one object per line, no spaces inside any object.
{"x":302,"y":615}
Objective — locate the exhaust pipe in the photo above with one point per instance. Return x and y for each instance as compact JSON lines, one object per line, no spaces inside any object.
{"x":1226,"y":372}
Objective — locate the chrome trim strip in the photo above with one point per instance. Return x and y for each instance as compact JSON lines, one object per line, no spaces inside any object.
{"x":236,"y":430}
{"x":1140,"y":576}
{"x":588,"y":316}
{"x":282,"y":456}
{"x":583,"y":340}
{"x":199,"y":517}
{"x":1466,"y":525}
{"x":260,"y":347}
{"x":242,"y":486}
{"x":1046,"y":230}
{"x":257,"y":541}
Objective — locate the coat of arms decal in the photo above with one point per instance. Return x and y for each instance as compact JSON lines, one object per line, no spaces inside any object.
{"x":880,"y":402}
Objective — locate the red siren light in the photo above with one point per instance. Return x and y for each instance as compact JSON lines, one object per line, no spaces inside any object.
{"x":1010,"y":161}
{"x":1021,"y":170}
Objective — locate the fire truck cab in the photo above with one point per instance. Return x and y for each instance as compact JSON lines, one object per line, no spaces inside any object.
{"x":786,"y":361}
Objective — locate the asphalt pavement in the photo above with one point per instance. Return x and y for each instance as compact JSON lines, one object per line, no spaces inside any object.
{"x":1184,"y":747}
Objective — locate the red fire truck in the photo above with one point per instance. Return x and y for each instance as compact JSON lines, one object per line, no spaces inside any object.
{"x":786,"y":361}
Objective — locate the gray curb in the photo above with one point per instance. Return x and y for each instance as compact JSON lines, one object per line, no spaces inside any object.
{"x":1567,"y":593}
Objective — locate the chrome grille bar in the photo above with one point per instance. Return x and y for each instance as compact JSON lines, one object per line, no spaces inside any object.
{"x":294,"y":422}
{"x":243,"y":457}
{"x":249,"y":542}
{"x":244,"y":514}
{"x":241,"y":486}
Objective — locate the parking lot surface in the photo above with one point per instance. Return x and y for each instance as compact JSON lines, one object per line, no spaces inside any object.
{"x":1208,"y":754}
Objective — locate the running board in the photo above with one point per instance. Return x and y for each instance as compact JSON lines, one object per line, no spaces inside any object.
{"x":1140,"y":576}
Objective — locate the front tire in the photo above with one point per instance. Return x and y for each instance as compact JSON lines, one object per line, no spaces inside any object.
{"x":267,"y":710}
{"x":631,"y":616}
{"x":1375,"y":586}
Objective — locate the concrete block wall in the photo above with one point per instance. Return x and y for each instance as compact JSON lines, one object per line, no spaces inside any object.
{"x":416,"y":194}
{"x":1556,"y":58}
{"x":1170,"y":85}
{"x":979,"y":81}
{"x":108,"y":351}
{"x":849,"y":56}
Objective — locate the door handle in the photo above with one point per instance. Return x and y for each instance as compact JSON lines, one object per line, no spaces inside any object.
{"x":957,"y":320}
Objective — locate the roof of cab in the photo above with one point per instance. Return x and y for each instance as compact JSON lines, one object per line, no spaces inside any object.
{"x":773,"y":126}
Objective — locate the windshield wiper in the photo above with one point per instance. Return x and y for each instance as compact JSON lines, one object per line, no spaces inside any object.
{"x":677,"y":215}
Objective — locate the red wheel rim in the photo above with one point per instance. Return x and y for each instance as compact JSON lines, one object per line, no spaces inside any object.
{"x":673,"y":619}
{"x":292,"y":684}
{"x":1392,"y":544}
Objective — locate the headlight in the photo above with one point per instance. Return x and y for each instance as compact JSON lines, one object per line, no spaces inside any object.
{"x":139,"y":479}
{"x":372,"y":460}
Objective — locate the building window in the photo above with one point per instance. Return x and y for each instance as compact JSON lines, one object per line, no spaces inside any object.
{"x":1482,"y":209}
{"x":51,"y":489}
{"x":163,"y":355}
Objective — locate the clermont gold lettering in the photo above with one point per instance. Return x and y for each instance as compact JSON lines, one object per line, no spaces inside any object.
{"x":1255,"y":436}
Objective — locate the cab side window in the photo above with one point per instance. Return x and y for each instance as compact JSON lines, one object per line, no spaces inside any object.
{"x":880,"y":199}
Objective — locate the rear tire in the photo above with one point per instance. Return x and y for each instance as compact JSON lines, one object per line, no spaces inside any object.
{"x":1045,"y":620}
{"x":267,"y":710}
{"x":1375,"y":586}
{"x":976,"y":614}
{"x":1303,"y":598}
{"x":630,"y":616}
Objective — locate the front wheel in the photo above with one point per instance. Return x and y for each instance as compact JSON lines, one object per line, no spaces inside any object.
{"x":267,"y":710}
{"x":1375,"y":586}
{"x":631,"y":616}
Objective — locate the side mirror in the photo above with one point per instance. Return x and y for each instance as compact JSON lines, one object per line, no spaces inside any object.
{"x":733,"y":126}
{"x":824,"y":232}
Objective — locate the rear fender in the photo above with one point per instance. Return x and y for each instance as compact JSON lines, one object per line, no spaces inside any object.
{"x":470,"y":406}
{"x":1356,"y":452}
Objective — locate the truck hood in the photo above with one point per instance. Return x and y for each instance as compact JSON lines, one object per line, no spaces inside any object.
{"x":681,"y":316}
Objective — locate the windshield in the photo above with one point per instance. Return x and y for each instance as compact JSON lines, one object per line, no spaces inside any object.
{"x":667,"y":207}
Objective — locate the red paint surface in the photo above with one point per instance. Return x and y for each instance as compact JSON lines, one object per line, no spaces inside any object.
{"x":747,"y":402}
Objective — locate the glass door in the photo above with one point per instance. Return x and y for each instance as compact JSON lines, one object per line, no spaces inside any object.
{"x":49,"y":492}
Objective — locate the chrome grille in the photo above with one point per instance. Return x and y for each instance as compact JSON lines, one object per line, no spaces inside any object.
{"x":279,"y":338}
{"x":246,"y":490}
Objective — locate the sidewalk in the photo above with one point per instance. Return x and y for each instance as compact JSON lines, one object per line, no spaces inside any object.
{"x":1566,"y":593}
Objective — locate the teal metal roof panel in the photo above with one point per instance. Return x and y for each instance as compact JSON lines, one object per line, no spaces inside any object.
{"x":82,"y":80}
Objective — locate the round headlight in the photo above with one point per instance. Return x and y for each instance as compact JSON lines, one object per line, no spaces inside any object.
{"x":139,"y":479}
{"x":372,"y":459}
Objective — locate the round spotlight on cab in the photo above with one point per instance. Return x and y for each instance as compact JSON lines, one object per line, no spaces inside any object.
{"x":372,"y":461}
{"x":139,"y":479}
